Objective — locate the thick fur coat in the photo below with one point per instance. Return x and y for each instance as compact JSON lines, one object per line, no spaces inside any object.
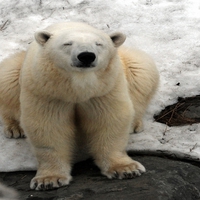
{"x":76,"y":90}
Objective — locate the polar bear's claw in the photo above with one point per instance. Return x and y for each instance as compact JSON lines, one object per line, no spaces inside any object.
{"x":126,"y":171}
{"x":49,"y":183}
{"x":14,"y":131}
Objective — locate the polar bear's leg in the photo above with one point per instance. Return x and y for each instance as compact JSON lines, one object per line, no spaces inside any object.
{"x":9,"y":94}
{"x":49,"y":127}
{"x":107,"y":126}
{"x":142,"y":76}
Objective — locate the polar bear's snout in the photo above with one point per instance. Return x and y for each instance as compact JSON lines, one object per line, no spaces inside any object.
{"x":86,"y":59}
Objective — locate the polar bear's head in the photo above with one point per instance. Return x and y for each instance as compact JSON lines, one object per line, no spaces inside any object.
{"x":77,"y":46}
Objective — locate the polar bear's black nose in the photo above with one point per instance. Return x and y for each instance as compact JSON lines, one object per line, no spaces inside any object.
{"x":86,"y":59}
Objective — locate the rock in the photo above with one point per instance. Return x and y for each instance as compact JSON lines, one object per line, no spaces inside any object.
{"x":185,"y":111}
{"x":165,"y":179}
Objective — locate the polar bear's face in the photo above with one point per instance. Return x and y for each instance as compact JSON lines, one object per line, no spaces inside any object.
{"x":80,"y":50}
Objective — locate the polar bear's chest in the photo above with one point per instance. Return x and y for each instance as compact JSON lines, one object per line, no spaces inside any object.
{"x":85,"y":81}
{"x":85,"y":86}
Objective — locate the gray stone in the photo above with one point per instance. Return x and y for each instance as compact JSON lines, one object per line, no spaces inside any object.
{"x":165,"y":179}
{"x":193,"y":111}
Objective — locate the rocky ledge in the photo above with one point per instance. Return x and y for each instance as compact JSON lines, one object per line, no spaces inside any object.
{"x":165,"y":179}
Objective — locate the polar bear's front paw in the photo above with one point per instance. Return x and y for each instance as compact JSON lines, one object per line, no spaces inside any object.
{"x":125,"y":171}
{"x":49,"y":182}
{"x":14,"y":131}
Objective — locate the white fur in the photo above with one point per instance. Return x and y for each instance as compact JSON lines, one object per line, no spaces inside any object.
{"x":64,"y":108}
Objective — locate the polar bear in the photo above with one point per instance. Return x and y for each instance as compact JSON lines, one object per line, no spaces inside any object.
{"x":76,"y":90}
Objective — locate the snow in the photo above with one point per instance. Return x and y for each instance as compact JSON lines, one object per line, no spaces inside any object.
{"x":169,"y":30}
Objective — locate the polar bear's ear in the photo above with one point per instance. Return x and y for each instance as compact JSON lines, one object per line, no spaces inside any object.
{"x":42,"y":37}
{"x":117,"y":38}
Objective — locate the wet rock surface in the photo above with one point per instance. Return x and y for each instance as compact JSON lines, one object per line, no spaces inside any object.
{"x":164,"y":179}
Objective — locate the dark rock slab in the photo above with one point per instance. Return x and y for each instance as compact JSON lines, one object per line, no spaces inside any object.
{"x":165,"y":179}
{"x":185,"y":111}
